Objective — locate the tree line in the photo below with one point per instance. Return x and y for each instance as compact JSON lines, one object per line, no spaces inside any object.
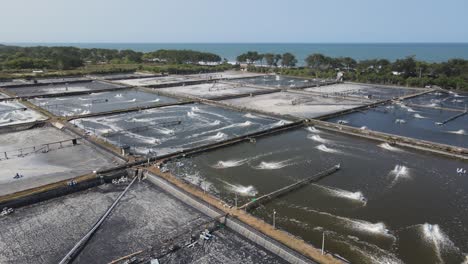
{"x":273,"y":60}
{"x":405,"y":71}
{"x":68,"y":58}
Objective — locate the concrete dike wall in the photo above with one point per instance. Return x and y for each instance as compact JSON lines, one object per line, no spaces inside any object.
{"x":447,"y":150}
{"x":57,"y":189}
{"x":46,"y":83}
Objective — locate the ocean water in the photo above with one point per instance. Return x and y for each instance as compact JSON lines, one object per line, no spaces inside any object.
{"x":432,"y":52}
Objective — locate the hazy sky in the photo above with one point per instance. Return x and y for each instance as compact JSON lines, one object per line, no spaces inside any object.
{"x":233,"y":21}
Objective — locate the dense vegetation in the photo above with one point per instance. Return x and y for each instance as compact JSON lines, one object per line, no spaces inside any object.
{"x":181,"y":56}
{"x":57,"y":61}
{"x":67,"y":58}
{"x":452,"y":74}
{"x":252,"y":57}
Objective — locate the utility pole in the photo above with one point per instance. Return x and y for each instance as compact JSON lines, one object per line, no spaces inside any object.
{"x":323,"y":242}
{"x":235,"y":199}
{"x":274,"y":219}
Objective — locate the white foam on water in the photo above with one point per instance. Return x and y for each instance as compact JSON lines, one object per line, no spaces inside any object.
{"x":229,"y":163}
{"x":419,"y":116}
{"x":409,"y":109}
{"x":214,"y":123}
{"x":317,"y":138}
{"x":378,"y":228}
{"x":312,"y":129}
{"x":274,"y":165}
{"x":144,"y":120}
{"x":363,"y":127}
{"x":242,"y":190}
{"x":353,"y":196}
{"x":434,"y":235}
{"x":368,"y":227}
{"x":155,"y":100}
{"x":466,"y":260}
{"x":400,"y":121}
{"x":324,"y":148}
{"x":198,"y":110}
{"x":218,"y":136}
{"x":129,"y":101}
{"x":165,"y":131}
{"x":458,"y":132}
{"x":342,"y":122}
{"x":249,"y":115}
{"x":191,"y":114}
{"x":118,"y":95}
{"x":399,"y":172}
{"x":144,"y":139}
{"x":389,"y":147}
{"x":456,"y":94}
{"x":245,"y":124}
{"x":279,"y":123}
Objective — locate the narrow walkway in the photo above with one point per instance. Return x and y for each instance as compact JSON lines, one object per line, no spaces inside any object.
{"x":452,"y":118}
{"x":275,"y":194}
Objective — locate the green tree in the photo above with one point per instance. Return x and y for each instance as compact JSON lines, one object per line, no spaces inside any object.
{"x":318,"y":61}
{"x":272,"y":59}
{"x":250,"y":57}
{"x":288,"y":60}
{"x":407,"y":66}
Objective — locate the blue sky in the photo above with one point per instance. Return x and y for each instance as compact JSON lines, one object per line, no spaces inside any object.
{"x":316,"y":21}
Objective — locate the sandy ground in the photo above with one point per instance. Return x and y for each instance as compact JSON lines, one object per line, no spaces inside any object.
{"x":362,"y":91}
{"x":305,"y":107}
{"x":146,"y":218}
{"x":12,"y":112}
{"x":39,"y":168}
{"x":210,"y":90}
{"x":155,"y":80}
